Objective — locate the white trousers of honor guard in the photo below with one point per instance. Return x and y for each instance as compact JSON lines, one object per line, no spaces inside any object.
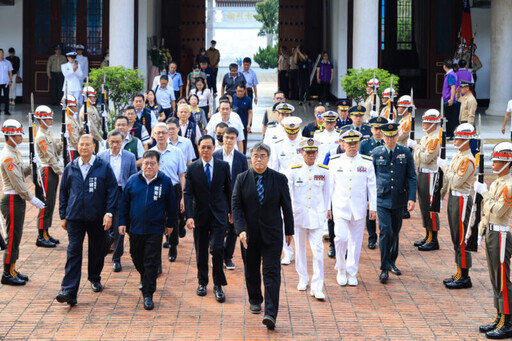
{"x":349,"y":237}
{"x":301,"y":236}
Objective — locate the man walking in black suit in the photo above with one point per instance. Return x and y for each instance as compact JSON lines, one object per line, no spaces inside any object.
{"x":260,"y":196}
{"x":207,"y":207}
{"x":237,"y":164}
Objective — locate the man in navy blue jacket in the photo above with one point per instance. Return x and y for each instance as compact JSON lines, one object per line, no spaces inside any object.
{"x":237,"y":164}
{"x":88,"y":199}
{"x":148,"y":209}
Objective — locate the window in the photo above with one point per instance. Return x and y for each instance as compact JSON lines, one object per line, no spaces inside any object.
{"x":68,"y":25}
{"x":94,"y":27}
{"x":404,"y":25}
{"x":42,"y":26}
{"x":382,"y":22}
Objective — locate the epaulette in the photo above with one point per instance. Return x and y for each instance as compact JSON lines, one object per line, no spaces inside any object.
{"x":272,"y":124}
{"x":334,"y":156}
{"x":280,"y":140}
{"x":296,"y":166}
{"x":367,"y":157}
{"x":323,"y":166}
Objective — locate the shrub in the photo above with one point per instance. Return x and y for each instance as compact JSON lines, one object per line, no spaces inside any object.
{"x":354,"y":82}
{"x":267,"y":57}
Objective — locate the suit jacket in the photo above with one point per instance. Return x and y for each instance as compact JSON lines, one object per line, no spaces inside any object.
{"x":239,"y":163}
{"x":128,"y":164}
{"x":203,"y":203}
{"x":263,"y":222}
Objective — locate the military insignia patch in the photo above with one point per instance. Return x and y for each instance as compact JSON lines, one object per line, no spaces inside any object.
{"x":43,"y":145}
{"x":361,"y":169}
{"x":10,"y":166}
{"x":319,"y":177}
{"x":400,"y":156}
{"x":311,"y":142}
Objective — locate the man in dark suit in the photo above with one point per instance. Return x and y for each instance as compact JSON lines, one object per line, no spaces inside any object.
{"x":124,"y":165}
{"x":238,"y":164}
{"x":261,"y":198}
{"x":207,"y":206}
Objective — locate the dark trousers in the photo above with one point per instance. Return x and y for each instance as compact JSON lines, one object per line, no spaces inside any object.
{"x":214,"y":79}
{"x":230,"y":243}
{"x":13,"y":209}
{"x":115,"y":236}
{"x":499,"y":283}
{"x":294,"y":84}
{"x":168,"y":112}
{"x":74,"y":154}
{"x":174,"y":238}
{"x":390,"y":224}
{"x":284,"y":82}
{"x":50,"y":184}
{"x":430,"y":219}
{"x":96,"y":237}
{"x":4,"y":96}
{"x":330,"y":228}
{"x":458,"y":227}
{"x":371,"y":226}
{"x":452,"y":115}
{"x":324,"y":91}
{"x":146,"y":252}
{"x":270,"y":255}
{"x":177,"y":95}
{"x":303,"y":85}
{"x":250,"y":93}
{"x":244,"y":142}
{"x":56,"y":83}
{"x":210,"y":238}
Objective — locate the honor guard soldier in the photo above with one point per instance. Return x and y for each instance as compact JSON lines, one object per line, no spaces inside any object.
{"x":366,"y":147}
{"x":396,"y":192}
{"x":73,"y":128}
{"x":404,"y":110}
{"x":372,"y":97}
{"x":285,"y":153}
{"x":425,"y":160}
{"x":468,"y":103}
{"x":352,"y":185}
{"x":387,"y":95}
{"x":49,"y":152}
{"x":94,"y":118}
{"x":309,"y":189}
{"x":497,"y":209}
{"x":13,"y":199}
{"x":328,"y":137}
{"x":343,"y":106}
{"x":356,"y":114}
{"x":275,"y":130}
{"x":458,"y":179}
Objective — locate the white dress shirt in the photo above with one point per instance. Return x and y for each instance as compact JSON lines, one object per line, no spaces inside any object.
{"x":228,"y":158}
{"x":211,"y":167}
{"x":84,"y":167}
{"x":115,"y":163}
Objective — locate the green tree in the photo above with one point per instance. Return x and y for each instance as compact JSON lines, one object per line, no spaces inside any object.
{"x":268,"y":15}
{"x":267,"y":57}
{"x":354,"y":82}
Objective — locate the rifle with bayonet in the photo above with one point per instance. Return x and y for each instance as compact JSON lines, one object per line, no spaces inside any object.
{"x":86,"y":115}
{"x":435,"y":204}
{"x":413,"y":117}
{"x":476,"y":209}
{"x":374,"y":96}
{"x":104,"y":107}
{"x":391,"y":114}
{"x":36,"y":175}
{"x":64,"y":131}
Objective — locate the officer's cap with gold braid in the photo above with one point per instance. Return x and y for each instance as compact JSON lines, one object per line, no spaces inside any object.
{"x":285,"y":108}
{"x":351,"y":135}
{"x":357,"y":110}
{"x":291,"y":124}
{"x":376,"y":122}
{"x":390,"y":129}
{"x":330,"y":116}
{"x":309,"y":145}
{"x":344,"y":104}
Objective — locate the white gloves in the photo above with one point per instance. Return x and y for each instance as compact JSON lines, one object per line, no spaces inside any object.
{"x":104,"y":114}
{"x":66,"y":134}
{"x":480,"y":188}
{"x":411,"y":143}
{"x":373,"y":113}
{"x":479,"y":241}
{"x":36,"y":160}
{"x":37,"y":203}
{"x":441,"y":162}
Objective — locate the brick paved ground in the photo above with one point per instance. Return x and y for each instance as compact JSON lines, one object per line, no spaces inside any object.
{"x":413,"y":306}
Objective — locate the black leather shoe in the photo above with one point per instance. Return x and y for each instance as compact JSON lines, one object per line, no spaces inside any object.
{"x":96,"y":286}
{"x":182,"y":233}
{"x":173,"y":253}
{"x":159,"y":271}
{"x":371,"y":245}
{"x":22,"y":277}
{"x":269,"y":321}
{"x":332,"y":252}
{"x":7,"y":113}
{"x":201,"y":290}
{"x":504,"y":332}
{"x":384,"y":276}
{"x":395,"y":270}
{"x":491,"y":326}
{"x":140,"y":286}
{"x":148,"y":303}
{"x":219,"y":294}
{"x":431,"y":246}
{"x":255,"y":308}
{"x":461,"y":283}
{"x":166,"y":245}
{"x":9,"y":279}
{"x":117,"y":267}
{"x":406,"y":215}
{"x":41,"y":242}
{"x":448,"y":280}
{"x":63,"y":297}
{"x":421,"y":241}
{"x":53,"y":240}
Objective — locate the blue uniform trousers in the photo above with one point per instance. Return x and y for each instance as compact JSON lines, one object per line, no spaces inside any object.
{"x":390,"y":223}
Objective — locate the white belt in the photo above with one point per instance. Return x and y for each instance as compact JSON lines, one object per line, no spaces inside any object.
{"x":10,"y":192}
{"x":45,"y":165}
{"x":71,"y":148}
{"x":459,"y":194}
{"x":426,"y":170}
{"x":498,"y":228}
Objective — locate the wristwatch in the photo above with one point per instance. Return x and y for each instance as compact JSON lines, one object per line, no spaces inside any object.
{"x":109,"y":214}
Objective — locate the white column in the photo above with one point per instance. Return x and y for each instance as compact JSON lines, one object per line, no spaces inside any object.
{"x":121,"y":30}
{"x":501,"y":51}
{"x":337,"y":12}
{"x":365,"y":39}
{"x":143,"y":39}
{"x":210,"y":19}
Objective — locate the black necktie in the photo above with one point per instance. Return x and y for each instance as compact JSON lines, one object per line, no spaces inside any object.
{"x":391,"y":154}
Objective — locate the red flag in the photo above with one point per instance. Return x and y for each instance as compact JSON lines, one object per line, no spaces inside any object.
{"x":465,"y":27}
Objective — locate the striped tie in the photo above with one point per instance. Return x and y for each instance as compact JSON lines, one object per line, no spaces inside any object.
{"x":260,"y":189}
{"x":208,"y":175}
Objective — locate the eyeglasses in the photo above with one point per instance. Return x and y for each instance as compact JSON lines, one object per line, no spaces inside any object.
{"x":259,"y":156}
{"x":161,"y":133}
{"x":149,"y":164}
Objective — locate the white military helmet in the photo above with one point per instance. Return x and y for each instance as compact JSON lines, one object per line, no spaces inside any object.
{"x":71,"y":101}
{"x":432,"y":116}
{"x":43,"y":112}
{"x":405,"y":101}
{"x":374,"y":82}
{"x":389,"y":92}
{"x":12,"y":127}
{"x":88,"y":91}
{"x":502,"y":152}
{"x":465,"y":131}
